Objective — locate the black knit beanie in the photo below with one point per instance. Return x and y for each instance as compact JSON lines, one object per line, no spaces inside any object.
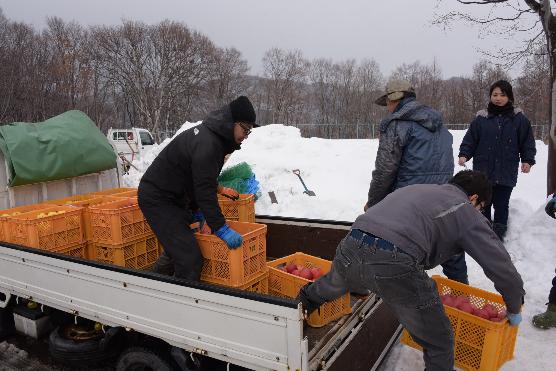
{"x":242,"y":110}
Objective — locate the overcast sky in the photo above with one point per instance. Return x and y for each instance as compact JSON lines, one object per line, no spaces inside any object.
{"x":391,"y":32}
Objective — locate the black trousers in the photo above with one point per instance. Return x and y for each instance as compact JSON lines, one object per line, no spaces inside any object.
{"x":170,"y":223}
{"x":552,"y":295}
{"x":501,"y":203}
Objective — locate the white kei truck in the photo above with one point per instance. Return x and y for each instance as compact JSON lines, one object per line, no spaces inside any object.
{"x":150,"y":321}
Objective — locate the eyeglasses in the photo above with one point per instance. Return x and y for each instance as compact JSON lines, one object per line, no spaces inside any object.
{"x":246,"y":128}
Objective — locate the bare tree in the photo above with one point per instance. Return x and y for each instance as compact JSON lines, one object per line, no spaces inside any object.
{"x":155,"y":67}
{"x":286,"y":74}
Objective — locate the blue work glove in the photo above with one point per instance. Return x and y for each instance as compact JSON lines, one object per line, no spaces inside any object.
{"x":198,"y":216}
{"x":550,"y":207}
{"x":514,"y":318}
{"x":231,"y":237}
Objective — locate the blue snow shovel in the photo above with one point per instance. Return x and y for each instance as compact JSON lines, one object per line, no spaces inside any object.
{"x":307,"y":191}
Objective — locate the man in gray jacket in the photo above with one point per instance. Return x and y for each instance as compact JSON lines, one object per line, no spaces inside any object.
{"x":413,"y":229}
{"x":414,"y":148}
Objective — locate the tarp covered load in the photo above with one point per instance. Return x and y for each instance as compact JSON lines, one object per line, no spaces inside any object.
{"x":63,"y":146}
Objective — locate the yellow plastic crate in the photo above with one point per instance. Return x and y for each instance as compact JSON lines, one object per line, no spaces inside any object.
{"x":77,"y":251}
{"x":85,"y":201}
{"x":242,"y":210}
{"x":117,"y":222}
{"x":139,"y":254}
{"x":259,"y":284}
{"x":480,"y":344}
{"x":14,"y":211}
{"x":61,"y":229}
{"x":287,"y":285}
{"x":236,"y":267}
{"x":112,"y":191}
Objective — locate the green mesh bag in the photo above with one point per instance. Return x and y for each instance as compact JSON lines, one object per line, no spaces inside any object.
{"x":239,"y":171}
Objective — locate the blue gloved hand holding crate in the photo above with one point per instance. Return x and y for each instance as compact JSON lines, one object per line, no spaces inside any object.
{"x":231,"y":237}
{"x":514,"y":318}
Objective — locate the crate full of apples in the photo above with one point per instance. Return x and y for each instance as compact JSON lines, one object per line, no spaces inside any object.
{"x":289,"y":274}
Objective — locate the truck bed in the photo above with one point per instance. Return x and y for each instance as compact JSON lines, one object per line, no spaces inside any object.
{"x":256,"y":331}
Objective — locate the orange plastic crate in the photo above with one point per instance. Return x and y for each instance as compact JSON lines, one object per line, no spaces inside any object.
{"x":242,"y":210}
{"x":236,"y":267}
{"x":14,"y":212}
{"x":112,"y":191}
{"x":287,"y":285}
{"x":117,"y":222}
{"x":480,"y":344}
{"x":258,"y":284}
{"x":85,"y":201}
{"x":132,"y":193}
{"x":77,"y":251}
{"x":54,"y":232}
{"x":139,"y":254}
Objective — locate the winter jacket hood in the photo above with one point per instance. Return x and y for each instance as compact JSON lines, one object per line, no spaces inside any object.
{"x":412,"y":110}
{"x":221,"y":123}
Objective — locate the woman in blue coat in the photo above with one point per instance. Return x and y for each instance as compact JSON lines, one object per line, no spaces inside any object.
{"x":497,"y":139}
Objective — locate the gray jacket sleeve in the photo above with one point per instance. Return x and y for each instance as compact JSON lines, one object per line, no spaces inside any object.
{"x":480,"y":241}
{"x":387,"y":162}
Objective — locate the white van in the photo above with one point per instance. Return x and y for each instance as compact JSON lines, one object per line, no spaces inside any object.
{"x":132,"y":143}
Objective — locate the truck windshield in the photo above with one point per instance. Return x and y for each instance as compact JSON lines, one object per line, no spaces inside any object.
{"x":146,"y":138}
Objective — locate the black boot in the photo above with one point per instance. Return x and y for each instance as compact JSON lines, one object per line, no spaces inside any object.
{"x":500,"y":230}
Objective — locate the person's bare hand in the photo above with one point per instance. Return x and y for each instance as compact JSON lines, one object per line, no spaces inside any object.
{"x":462,"y":160}
{"x":525,"y":167}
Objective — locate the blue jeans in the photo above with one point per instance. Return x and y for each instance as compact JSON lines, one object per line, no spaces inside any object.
{"x":402,"y":284}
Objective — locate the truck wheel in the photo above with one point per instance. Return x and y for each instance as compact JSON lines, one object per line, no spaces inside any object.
{"x":143,"y":359}
{"x":85,"y":351}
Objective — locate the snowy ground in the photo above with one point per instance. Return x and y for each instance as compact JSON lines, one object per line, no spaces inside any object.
{"x":339,"y":171}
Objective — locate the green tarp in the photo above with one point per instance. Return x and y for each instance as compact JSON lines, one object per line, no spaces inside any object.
{"x":63,"y":146}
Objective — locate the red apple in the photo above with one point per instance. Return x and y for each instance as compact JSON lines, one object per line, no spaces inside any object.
{"x":482,"y":313}
{"x":466,"y":307}
{"x":291,"y":267}
{"x":495,"y":319}
{"x":461,"y":300}
{"x":491,"y":310}
{"x":502,"y":314}
{"x":306,"y":273}
{"x":295,"y":272}
{"x":316,"y":272}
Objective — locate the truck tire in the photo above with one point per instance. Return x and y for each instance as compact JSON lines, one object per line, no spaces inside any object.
{"x":143,"y":359}
{"x":85,"y":353}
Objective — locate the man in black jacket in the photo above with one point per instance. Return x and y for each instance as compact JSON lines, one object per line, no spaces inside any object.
{"x":180,"y":186}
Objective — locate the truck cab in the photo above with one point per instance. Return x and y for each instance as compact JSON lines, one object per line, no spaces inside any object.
{"x":131,"y":142}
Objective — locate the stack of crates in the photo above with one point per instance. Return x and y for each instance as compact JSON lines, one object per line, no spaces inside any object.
{"x":479,"y":344}
{"x":48,"y":227}
{"x":85,"y":201}
{"x":283,"y":284}
{"x":121,"y":235}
